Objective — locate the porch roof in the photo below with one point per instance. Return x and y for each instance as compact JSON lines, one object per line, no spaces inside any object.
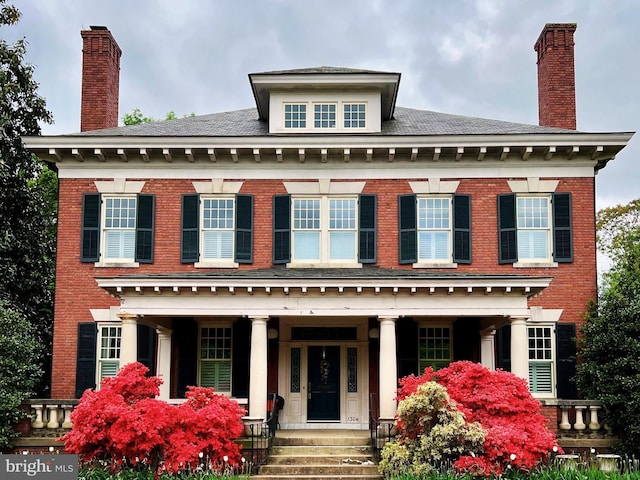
{"x":325,"y":280}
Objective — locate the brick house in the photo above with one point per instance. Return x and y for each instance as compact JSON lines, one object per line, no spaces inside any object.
{"x":324,"y":243}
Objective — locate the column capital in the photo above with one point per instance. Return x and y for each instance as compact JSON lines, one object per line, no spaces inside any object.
{"x":164,"y":332}
{"x":258,"y":318}
{"x":127,"y":317}
{"x":520,"y":319}
{"x":387,"y":319}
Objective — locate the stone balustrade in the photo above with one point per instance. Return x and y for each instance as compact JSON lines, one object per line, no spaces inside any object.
{"x":49,"y":417}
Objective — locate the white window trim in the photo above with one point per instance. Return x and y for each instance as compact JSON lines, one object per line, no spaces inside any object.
{"x":213,"y":324}
{"x":552,"y":327}
{"x":366,"y":115}
{"x":324,"y":261}
{"x":439,"y":262}
{"x":99,"y":359}
{"x":537,"y":262}
{"x":213,"y":262}
{"x":114,"y":262}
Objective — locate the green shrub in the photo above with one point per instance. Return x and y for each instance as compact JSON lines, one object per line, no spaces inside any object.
{"x":19,"y":369}
{"x":433,"y":434}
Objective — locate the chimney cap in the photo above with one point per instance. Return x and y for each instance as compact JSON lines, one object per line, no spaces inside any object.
{"x":98,"y":27}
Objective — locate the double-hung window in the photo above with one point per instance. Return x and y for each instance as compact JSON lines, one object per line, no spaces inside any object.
{"x":215,"y":358}
{"x":324,"y":229}
{"x":435,"y":229}
{"x":541,"y":359}
{"x":434,"y":347}
{"x":108,"y":351}
{"x":217,"y":229}
{"x":117,"y":229}
{"x":535,"y":228}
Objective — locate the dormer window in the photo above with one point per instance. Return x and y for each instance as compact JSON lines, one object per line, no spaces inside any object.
{"x":295,"y":115}
{"x":355,"y":115}
{"x":324,"y":115}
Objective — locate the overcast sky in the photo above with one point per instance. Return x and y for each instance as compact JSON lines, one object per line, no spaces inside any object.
{"x":471,"y":58}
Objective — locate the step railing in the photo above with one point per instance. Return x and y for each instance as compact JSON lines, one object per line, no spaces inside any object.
{"x":380,"y":431}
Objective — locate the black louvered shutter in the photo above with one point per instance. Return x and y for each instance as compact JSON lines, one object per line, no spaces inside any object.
{"x":407,"y":227}
{"x":367,"y":229}
{"x":190,"y":250}
{"x":281,"y":228}
{"x":86,"y":357}
{"x":241,"y":341}
{"x":144,"y":228}
{"x":244,"y":229}
{"x":146,"y":347}
{"x":407,"y":347}
{"x":90,"y":242}
{"x":566,"y":362}
{"x":503,"y":345}
{"x":185,"y":333}
{"x":507,"y":242}
{"x":462,"y":228}
{"x":562,"y":231}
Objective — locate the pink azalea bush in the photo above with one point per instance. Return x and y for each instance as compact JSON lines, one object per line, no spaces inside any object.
{"x":124,"y":424}
{"x":516,"y":433}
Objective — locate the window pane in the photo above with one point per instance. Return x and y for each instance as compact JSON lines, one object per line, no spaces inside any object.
{"x":306,"y":245}
{"x":295,"y":116}
{"x":354,"y":115}
{"x":434,"y":228}
{"x":324,"y":115}
{"x":119,"y":228}
{"x":342,"y":245}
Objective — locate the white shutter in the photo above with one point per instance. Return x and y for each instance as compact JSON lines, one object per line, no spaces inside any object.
{"x":217,"y":244}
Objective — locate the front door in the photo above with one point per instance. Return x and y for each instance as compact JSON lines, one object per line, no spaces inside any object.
{"x":323,"y":397}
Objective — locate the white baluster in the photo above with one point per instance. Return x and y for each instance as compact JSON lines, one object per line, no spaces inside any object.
{"x":564,"y":422}
{"x":594,"y":424}
{"x":37,"y":422}
{"x":53,"y":417}
{"x":67,"y":416}
{"x":579,"y":425}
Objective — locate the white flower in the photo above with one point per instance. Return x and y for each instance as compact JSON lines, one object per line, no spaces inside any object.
{"x":593,"y":450}
{"x":201,"y":454}
{"x":24,"y":452}
{"x":555,"y":449}
{"x":51,"y":449}
{"x":225,"y":458}
{"x":244,"y":459}
{"x":512,"y":457}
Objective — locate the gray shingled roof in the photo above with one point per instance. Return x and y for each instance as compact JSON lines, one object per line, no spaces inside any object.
{"x":322,"y":69}
{"x":245,"y":123}
{"x":371,"y":273}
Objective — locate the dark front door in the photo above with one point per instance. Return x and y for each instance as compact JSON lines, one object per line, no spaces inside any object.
{"x":323,"y":402}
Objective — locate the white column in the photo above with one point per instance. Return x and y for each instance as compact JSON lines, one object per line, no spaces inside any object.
{"x":163,"y":362}
{"x":488,"y":348}
{"x":128,"y":339}
{"x":519,"y":347}
{"x":388,"y":368}
{"x":258,"y":369}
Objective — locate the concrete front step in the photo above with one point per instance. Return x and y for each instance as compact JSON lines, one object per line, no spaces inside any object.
{"x":318,"y":454}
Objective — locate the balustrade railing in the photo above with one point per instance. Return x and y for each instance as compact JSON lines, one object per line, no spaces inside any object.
{"x":381,"y":431}
{"x":49,"y":418}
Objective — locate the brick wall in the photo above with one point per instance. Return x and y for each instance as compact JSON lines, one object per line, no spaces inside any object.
{"x":77,"y":291}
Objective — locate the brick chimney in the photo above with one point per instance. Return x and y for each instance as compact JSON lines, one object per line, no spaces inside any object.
{"x":100,"y":79}
{"x":556,"y":76}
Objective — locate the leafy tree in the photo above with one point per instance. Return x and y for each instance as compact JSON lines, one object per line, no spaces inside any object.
{"x":612,"y":225}
{"x":610,"y":344}
{"x":136,"y":117}
{"x":19,"y":369}
{"x":28,"y":189}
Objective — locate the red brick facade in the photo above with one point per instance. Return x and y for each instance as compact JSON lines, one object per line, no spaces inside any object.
{"x":573,"y":285}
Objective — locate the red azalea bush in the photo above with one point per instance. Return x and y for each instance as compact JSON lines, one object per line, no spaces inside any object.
{"x":124,"y":424}
{"x":516,"y":431}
